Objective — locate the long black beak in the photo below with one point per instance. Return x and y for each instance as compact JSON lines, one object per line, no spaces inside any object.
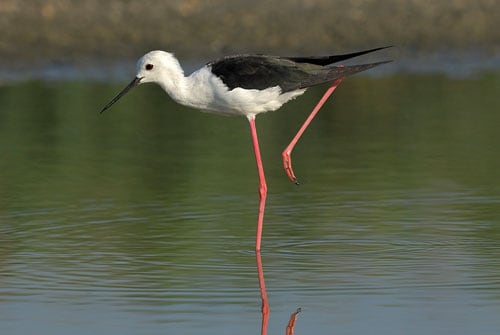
{"x":132,"y":84}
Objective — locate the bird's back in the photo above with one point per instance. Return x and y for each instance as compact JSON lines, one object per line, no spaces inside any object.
{"x":261,"y":72}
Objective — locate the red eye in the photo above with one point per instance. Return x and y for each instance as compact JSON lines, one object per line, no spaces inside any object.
{"x":149,"y":67}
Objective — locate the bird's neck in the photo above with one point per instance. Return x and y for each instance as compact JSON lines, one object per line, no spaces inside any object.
{"x":175,"y":84}
{"x":187,"y":90}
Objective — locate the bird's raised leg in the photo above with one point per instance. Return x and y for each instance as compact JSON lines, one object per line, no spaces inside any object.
{"x":262,"y":180}
{"x":287,"y":153}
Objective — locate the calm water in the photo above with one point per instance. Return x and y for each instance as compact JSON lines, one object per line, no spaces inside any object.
{"x":142,"y":220}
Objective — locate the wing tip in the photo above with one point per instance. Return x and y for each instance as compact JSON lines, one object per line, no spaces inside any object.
{"x":328,"y":60}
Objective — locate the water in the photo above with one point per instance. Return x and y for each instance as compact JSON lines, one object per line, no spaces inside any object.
{"x":142,"y":220}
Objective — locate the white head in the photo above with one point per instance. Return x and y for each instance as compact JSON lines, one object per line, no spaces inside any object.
{"x":157,"y":66}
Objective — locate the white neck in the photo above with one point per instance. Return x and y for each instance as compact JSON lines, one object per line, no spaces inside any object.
{"x":173,"y":81}
{"x":192,"y":91}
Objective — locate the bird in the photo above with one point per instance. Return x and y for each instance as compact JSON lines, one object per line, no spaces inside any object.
{"x":247,"y":85}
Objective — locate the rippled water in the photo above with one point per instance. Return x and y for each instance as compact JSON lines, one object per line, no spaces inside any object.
{"x":142,"y":220}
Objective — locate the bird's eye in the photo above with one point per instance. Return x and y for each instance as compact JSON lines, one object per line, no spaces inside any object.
{"x":149,"y":67}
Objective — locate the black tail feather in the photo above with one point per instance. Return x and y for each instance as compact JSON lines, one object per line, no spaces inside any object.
{"x":333,"y":73}
{"x":326,"y":60}
{"x":344,"y":71}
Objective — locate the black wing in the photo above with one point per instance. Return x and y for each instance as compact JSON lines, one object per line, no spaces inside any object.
{"x":259,"y":72}
{"x":289,"y":73}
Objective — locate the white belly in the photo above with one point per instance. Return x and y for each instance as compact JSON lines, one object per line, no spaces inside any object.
{"x":210,"y":94}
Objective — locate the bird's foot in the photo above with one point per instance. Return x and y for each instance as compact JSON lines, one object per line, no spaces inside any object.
{"x":287,"y":164}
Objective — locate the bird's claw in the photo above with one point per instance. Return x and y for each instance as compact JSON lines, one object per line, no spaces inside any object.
{"x":287,"y":164}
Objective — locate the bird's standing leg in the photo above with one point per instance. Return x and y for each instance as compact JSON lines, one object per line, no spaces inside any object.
{"x":287,"y":153}
{"x":263,"y":294}
{"x":260,"y":223}
{"x":262,"y":179}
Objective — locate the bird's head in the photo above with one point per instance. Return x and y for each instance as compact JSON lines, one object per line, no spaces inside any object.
{"x":154,"y":67}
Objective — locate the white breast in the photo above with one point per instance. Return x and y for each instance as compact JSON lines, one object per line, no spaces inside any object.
{"x":209,"y":93}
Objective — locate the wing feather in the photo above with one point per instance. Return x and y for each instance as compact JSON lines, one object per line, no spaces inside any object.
{"x":260,"y":72}
{"x":289,"y":73}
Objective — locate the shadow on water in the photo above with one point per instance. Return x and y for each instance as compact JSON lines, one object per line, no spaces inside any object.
{"x":143,"y":220}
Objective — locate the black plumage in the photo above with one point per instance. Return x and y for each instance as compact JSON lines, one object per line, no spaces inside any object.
{"x":289,"y":73}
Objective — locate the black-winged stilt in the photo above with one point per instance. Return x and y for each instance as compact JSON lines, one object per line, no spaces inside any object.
{"x":247,"y":85}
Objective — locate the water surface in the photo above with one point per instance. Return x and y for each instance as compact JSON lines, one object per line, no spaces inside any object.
{"x":142,"y":220}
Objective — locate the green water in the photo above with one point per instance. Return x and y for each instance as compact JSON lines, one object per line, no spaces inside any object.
{"x":142,"y":220}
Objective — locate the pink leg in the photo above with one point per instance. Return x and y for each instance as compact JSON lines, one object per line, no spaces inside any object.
{"x":260,"y":223}
{"x":262,"y":179}
{"x":291,"y":323}
{"x":287,"y":153}
{"x":263,"y":294}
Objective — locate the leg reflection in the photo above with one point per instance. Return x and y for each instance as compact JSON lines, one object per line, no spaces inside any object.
{"x":263,"y":294}
{"x":291,"y":323}
{"x":265,"y":302}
